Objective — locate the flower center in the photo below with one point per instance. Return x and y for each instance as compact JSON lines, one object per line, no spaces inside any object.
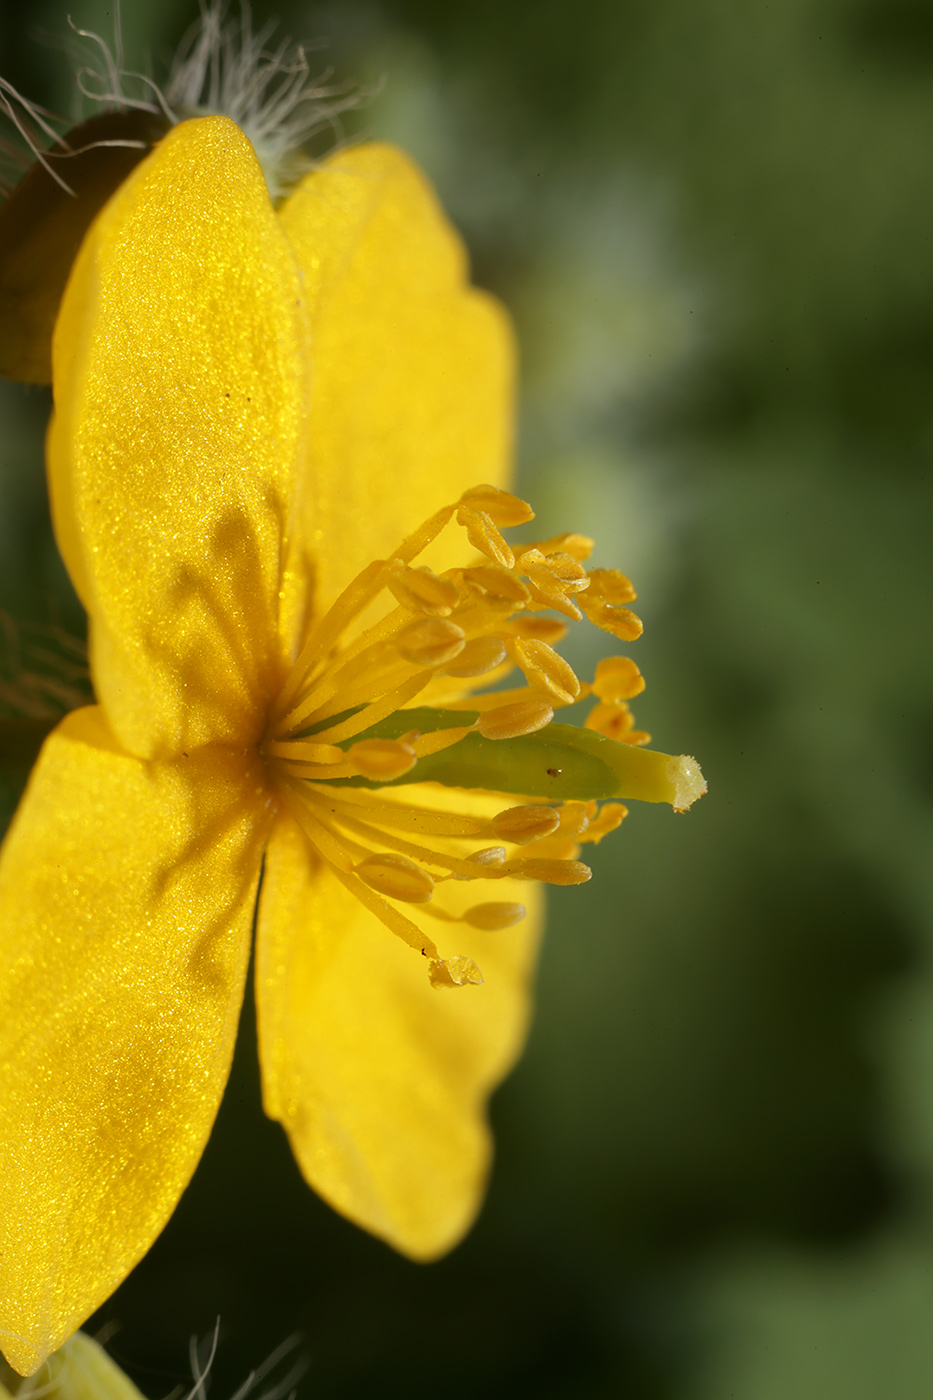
{"x":345,"y":735}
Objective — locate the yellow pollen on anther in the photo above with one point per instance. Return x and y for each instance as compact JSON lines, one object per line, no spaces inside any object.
{"x":398,"y":877}
{"x":433,"y":641}
{"x":484,"y":535}
{"x":421,"y":590}
{"x":478,"y":658}
{"x":511,"y":721}
{"x":455,"y":972}
{"x":617,"y":678}
{"x":612,"y":586}
{"x":545,"y":669}
{"x":524,"y":824}
{"x":501,"y":506}
{"x":382,"y":759}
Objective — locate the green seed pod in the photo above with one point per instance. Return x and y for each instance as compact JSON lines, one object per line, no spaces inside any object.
{"x":560,"y":762}
{"x":42,"y":226}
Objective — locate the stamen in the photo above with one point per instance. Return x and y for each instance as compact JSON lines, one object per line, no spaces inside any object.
{"x":478,"y":657}
{"x":617,"y":678}
{"x":379,"y":812}
{"x":382,"y":759}
{"x":511,"y":721}
{"x":379,"y":709}
{"x":435,"y":641}
{"x":563,"y":567}
{"x":351,"y":602}
{"x":455,"y":972}
{"x":525,"y":824}
{"x":484,"y":536}
{"x":491,"y":855}
{"x":612,"y":586}
{"x":502,"y":507}
{"x":346,"y":716}
{"x":497,"y":583}
{"x":421,"y":590}
{"x":546,"y":670}
{"x":488,"y":917}
{"x":542,"y":629}
{"x":549,"y":872}
{"x":397,"y":877}
{"x":456,"y":865}
{"x":573,"y":818}
{"x":611,"y":816}
{"x":617,"y":621}
{"x":577,"y":546}
{"x":403,"y":927}
{"x":616,"y":721}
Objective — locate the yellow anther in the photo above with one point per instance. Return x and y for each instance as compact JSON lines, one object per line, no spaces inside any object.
{"x":511,"y":721}
{"x":546,"y":588}
{"x":501,"y":507}
{"x":617,"y":722}
{"x":483,"y":535}
{"x":396,"y":877}
{"x":422,"y":590}
{"x":549,"y":872}
{"x":524,"y":824}
{"x":497,"y":583}
{"x":617,"y":678}
{"x":480,"y":655}
{"x":431,"y":641}
{"x":381,"y":760}
{"x":611,"y":815}
{"x":530,"y":557}
{"x":543,"y":629}
{"x":548,"y":593}
{"x":494,"y":916}
{"x":490,"y":855}
{"x":574,"y":818}
{"x":617,"y":621}
{"x":546,"y":669}
{"x":569,"y":570}
{"x":612,"y":586}
{"x":578,"y":546}
{"x":455,"y":972}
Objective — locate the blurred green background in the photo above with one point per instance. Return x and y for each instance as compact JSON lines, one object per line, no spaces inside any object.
{"x":711,"y":219}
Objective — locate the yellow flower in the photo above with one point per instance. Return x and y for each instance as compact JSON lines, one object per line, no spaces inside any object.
{"x":268,"y":429}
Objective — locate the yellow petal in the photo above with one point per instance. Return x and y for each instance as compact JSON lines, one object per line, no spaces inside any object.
{"x":126,"y":897}
{"x":379,"y":1079}
{"x":413,"y":369}
{"x":179,"y":377}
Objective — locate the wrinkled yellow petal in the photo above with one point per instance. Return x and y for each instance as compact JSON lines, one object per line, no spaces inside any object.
{"x":413,"y":369}
{"x":180,"y":403}
{"x":126,"y":897}
{"x":380,"y":1080}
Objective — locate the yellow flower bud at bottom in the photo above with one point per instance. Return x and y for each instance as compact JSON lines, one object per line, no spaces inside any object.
{"x":80,"y":1370}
